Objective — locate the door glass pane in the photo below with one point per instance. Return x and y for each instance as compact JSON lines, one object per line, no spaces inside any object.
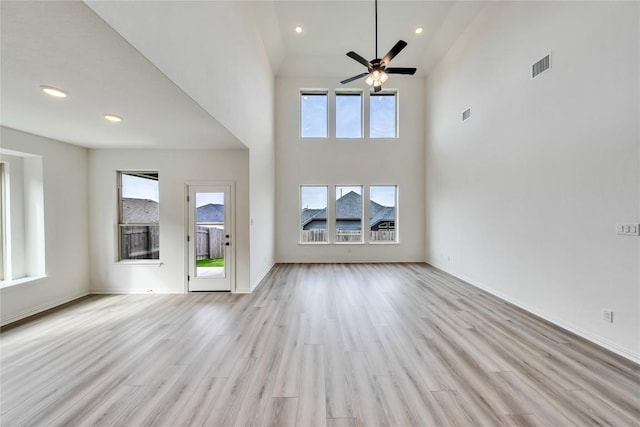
{"x":210,"y":235}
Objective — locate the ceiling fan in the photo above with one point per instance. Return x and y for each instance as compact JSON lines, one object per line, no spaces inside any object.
{"x":377,"y":70}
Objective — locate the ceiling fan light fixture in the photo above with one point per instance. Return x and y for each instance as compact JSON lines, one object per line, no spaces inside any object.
{"x":378,"y":69}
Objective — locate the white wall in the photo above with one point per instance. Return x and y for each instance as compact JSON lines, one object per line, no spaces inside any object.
{"x":176,"y":168}
{"x":350,"y":162}
{"x":227,"y":73}
{"x":523,"y":199}
{"x":66,"y":217}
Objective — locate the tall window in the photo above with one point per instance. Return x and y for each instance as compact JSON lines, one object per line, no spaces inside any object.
{"x":313,"y":214}
{"x":313,"y":114}
{"x":348,"y":115}
{"x":383,"y":200}
{"x":3,"y":231}
{"x":139,"y":230}
{"x":22,"y":212}
{"x":348,"y":213}
{"x":383,"y":115}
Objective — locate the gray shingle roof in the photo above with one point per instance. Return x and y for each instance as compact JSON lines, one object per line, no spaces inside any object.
{"x":210,"y":213}
{"x":349,"y":207}
{"x":139,"y":211}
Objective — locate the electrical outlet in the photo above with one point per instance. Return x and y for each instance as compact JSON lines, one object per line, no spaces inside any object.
{"x":628,"y":229}
{"x":607,"y":316}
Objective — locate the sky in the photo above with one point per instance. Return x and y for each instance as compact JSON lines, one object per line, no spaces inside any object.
{"x":139,"y":188}
{"x":348,"y":116}
{"x":206,"y":198}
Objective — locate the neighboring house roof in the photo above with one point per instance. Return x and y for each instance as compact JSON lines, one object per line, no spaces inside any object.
{"x":210,"y":213}
{"x":139,"y":211}
{"x":380,"y":214}
{"x":308,"y":214}
{"x":348,"y":208}
{"x":146,"y":211}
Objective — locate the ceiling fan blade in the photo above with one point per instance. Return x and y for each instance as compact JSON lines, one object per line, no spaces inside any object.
{"x":396,"y":70}
{"x":350,"y":79}
{"x":351,"y":54}
{"x":393,"y":52}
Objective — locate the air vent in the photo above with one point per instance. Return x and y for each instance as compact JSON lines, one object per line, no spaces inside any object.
{"x":466,"y":114}
{"x":540,"y":66}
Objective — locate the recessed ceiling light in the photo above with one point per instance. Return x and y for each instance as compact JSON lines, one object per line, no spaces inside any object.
{"x":419,"y":30}
{"x":298,"y":30}
{"x":50,"y":90}
{"x":113,"y":118}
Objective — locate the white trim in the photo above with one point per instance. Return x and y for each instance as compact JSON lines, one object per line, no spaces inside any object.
{"x":593,"y":338}
{"x":351,"y":261}
{"x":41,"y":308}
{"x":135,"y":292}
{"x":9,"y":283}
{"x":230,"y":220}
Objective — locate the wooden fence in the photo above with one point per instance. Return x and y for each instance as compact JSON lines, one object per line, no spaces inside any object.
{"x":310,"y":236}
{"x":139,"y":242}
{"x":382,"y":236}
{"x":209,"y":242}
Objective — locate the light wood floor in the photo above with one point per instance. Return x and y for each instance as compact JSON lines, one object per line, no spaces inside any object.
{"x":336,"y":345}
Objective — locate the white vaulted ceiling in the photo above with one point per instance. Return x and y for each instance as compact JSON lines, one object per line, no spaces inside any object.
{"x":64,"y":44}
{"x":108,"y":63}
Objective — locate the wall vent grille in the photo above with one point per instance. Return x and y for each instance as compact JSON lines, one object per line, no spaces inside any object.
{"x":466,"y":114}
{"x":541,"y":66}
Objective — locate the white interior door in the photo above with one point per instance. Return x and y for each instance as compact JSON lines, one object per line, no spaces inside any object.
{"x":210,"y":238}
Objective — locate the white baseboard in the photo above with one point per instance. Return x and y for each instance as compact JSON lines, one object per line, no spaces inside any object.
{"x":349,"y":261}
{"x":596,"y":339}
{"x":257,"y":283}
{"x":41,"y":308}
{"x":135,"y":291}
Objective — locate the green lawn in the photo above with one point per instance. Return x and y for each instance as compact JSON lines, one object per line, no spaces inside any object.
{"x":215,"y":262}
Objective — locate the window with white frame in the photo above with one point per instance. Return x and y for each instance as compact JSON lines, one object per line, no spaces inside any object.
{"x":3,"y":232}
{"x":313,"y":214}
{"x":348,"y":115}
{"x":313,"y":114}
{"x":383,"y":115}
{"x":139,"y":215}
{"x":383,"y":202}
{"x":348,"y":218}
{"x":22,"y":217}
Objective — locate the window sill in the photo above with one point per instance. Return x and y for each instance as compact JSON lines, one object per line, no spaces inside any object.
{"x":313,"y":243}
{"x":140,"y":262}
{"x":16,"y":282}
